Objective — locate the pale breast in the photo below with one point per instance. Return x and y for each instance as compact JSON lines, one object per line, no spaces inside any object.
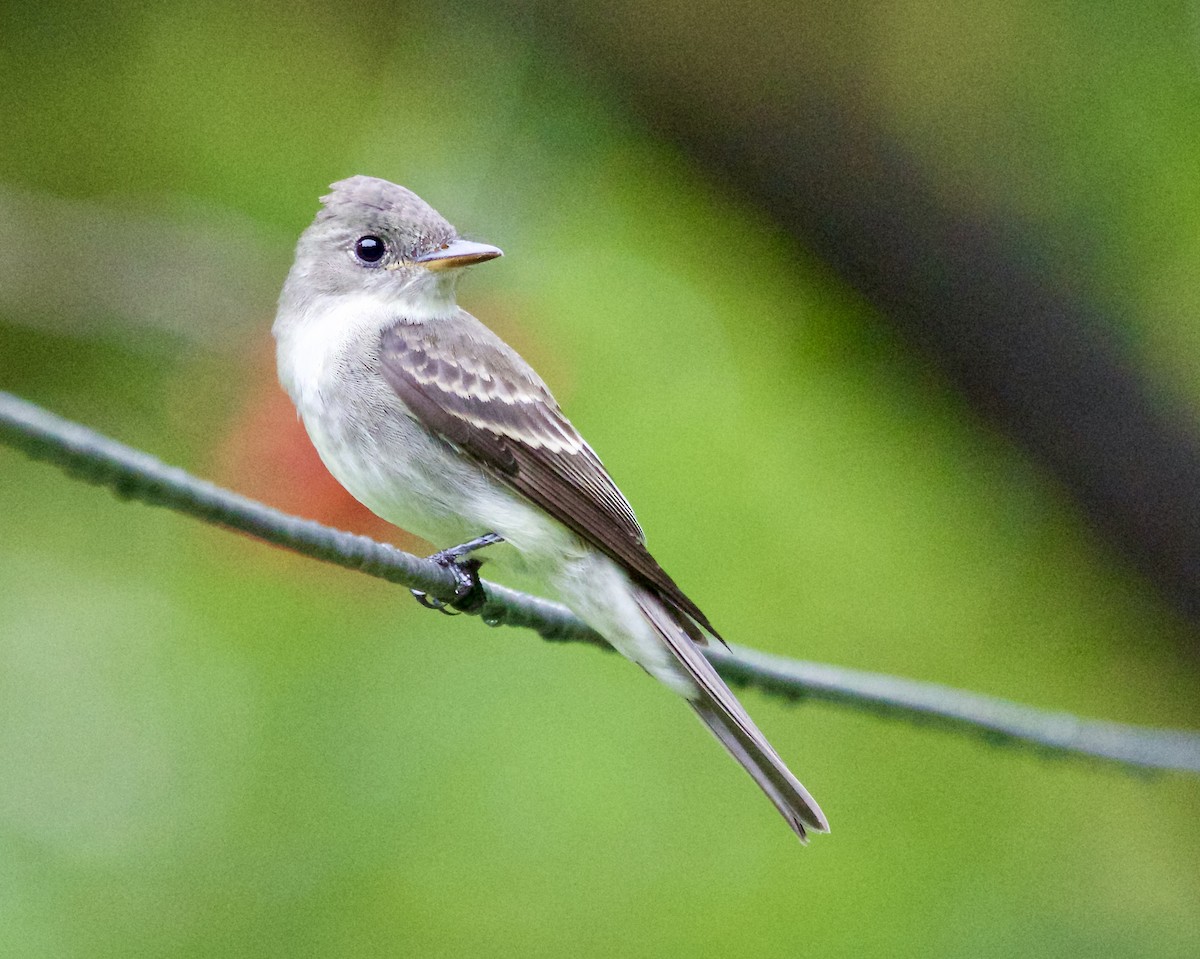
{"x":386,"y":459}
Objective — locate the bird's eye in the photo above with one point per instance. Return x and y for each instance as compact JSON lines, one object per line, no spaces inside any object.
{"x":369,"y":249}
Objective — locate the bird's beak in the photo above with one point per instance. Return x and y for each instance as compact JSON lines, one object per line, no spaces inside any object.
{"x":459,"y":253}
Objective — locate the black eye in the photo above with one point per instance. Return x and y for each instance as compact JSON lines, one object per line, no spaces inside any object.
{"x":369,"y":249}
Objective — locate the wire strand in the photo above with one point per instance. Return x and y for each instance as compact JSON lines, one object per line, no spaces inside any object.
{"x":133,"y":474}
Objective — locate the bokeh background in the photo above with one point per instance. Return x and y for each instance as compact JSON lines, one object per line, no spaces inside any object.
{"x":883,"y":316}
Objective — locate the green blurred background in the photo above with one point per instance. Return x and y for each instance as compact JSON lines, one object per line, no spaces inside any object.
{"x":210,"y":748}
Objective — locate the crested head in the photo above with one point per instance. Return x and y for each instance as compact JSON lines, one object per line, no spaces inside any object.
{"x":359,"y":203}
{"x":377,"y":238}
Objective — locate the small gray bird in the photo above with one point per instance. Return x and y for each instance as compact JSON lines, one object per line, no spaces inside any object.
{"x":434,"y":423}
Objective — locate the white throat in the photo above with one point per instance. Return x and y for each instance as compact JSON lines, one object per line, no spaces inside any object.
{"x":315,"y":336}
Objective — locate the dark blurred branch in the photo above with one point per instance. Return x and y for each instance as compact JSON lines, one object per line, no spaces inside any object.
{"x":132,"y":474}
{"x":758,"y":95}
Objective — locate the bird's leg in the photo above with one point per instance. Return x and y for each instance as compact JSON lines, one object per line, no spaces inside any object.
{"x":468,"y":594}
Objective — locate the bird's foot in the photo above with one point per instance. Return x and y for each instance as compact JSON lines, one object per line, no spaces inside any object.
{"x":468,"y":593}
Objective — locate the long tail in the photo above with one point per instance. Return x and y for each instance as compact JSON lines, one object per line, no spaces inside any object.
{"x":730,"y":723}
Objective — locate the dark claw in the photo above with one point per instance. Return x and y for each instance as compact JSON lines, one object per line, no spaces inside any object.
{"x":468,"y":593}
{"x":429,"y":602}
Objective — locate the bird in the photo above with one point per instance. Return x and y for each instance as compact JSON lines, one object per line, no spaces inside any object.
{"x":434,"y":423}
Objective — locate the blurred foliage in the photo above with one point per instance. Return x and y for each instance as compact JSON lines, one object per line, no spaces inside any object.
{"x":212,"y":749}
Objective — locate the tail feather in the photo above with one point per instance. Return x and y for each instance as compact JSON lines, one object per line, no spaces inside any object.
{"x":725,"y":717}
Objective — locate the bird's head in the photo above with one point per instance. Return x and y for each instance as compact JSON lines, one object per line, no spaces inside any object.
{"x":372,"y":236}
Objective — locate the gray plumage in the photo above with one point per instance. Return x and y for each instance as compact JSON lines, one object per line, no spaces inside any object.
{"x":437,"y":425}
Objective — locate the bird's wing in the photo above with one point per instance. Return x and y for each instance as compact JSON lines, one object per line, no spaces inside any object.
{"x":465,"y":384}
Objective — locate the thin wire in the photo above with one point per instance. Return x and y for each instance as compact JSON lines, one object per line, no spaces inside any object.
{"x":132,"y":474}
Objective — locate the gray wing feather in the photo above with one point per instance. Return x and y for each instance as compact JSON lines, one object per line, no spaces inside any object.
{"x":465,"y":384}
